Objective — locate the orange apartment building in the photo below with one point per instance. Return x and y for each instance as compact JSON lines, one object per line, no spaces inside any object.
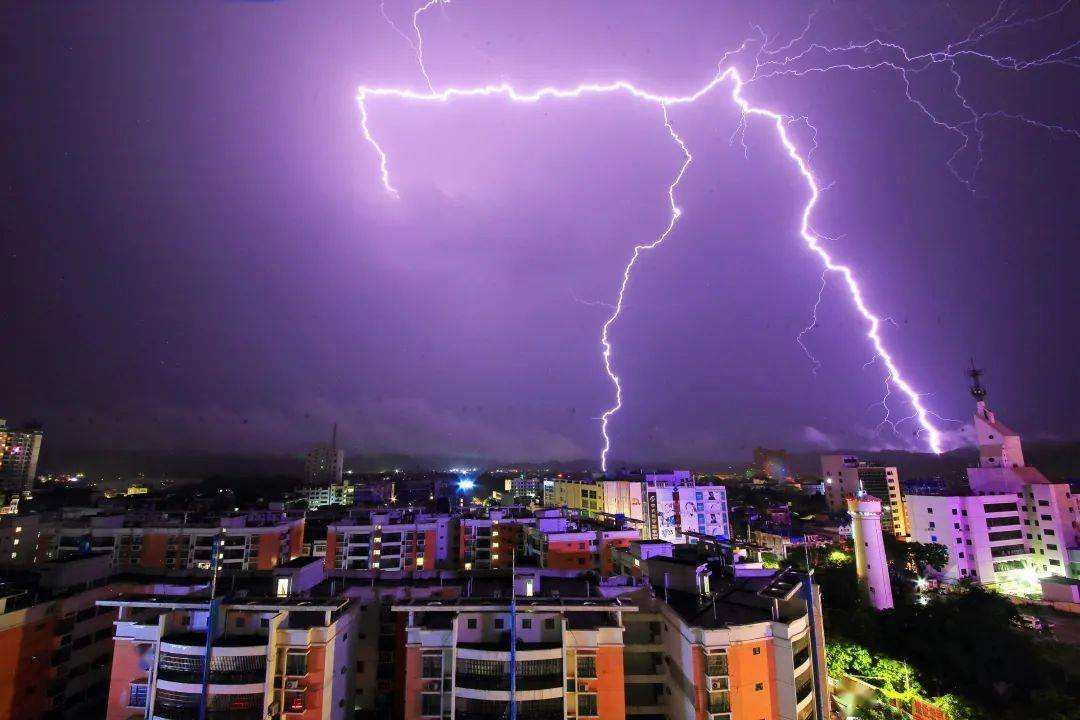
{"x":55,"y":642}
{"x":391,"y":541}
{"x":747,"y":652}
{"x":176,"y":541}
{"x":270,"y":658}
{"x":579,"y":546}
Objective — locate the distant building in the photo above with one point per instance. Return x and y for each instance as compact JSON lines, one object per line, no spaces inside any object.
{"x":773,"y":464}
{"x":325,"y":463}
{"x":845,"y":475}
{"x":391,"y":540}
{"x":343,"y":493}
{"x":1011,"y":526}
{"x":19,"y":451}
{"x":665,"y":506}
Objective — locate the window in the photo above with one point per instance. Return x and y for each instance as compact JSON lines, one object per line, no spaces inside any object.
{"x":549,"y":624}
{"x":431,"y":665}
{"x":586,"y":666}
{"x":586,"y":705}
{"x":526,"y":624}
{"x":296,"y":663}
{"x":471,"y":623}
{"x":499,"y":623}
{"x":759,"y":686}
{"x":137,"y":695}
{"x":757,"y":651}
{"x":960,"y":554}
{"x":1048,"y":531}
{"x":431,"y":704}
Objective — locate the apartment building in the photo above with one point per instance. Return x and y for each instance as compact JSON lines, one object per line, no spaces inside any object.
{"x":269,"y":658}
{"x":385,"y":540}
{"x":55,"y":642}
{"x":581,"y":545}
{"x":19,"y":451}
{"x":845,"y":475}
{"x":566,"y":654}
{"x":491,"y":538}
{"x":318,"y":496}
{"x":751,"y":648}
{"x":176,"y":541}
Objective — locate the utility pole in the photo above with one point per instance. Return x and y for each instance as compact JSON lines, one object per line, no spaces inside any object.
{"x":217,"y":551}
{"x":513,"y":634}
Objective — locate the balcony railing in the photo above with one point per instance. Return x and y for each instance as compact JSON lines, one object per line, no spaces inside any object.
{"x":216,"y":678}
{"x":524,"y":682}
{"x":802,"y":656}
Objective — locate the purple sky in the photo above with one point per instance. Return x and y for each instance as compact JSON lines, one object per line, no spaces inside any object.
{"x":198,"y":254}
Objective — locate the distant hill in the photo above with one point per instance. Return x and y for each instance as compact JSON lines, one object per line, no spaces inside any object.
{"x":1059,"y":461}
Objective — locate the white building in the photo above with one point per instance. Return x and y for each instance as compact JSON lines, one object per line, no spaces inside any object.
{"x":1012,"y":527}
{"x":870,"y":563}
{"x":326,"y":495}
{"x":845,"y":475}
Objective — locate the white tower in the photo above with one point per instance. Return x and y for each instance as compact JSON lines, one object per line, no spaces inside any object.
{"x":870,"y":562}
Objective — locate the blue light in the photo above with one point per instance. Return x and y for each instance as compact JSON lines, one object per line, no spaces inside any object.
{"x":466,"y":484}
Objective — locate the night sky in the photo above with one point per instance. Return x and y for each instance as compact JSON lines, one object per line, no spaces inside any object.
{"x":198,"y":255}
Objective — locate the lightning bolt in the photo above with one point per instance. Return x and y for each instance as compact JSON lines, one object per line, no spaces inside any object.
{"x":605,"y":341}
{"x":780,"y":61}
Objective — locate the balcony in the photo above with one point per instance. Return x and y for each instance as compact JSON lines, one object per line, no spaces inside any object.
{"x":801,"y":657}
{"x":524,"y":682}
{"x":173,"y":705}
{"x":224,"y":669}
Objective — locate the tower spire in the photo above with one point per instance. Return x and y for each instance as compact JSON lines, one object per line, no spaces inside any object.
{"x":978,"y":391}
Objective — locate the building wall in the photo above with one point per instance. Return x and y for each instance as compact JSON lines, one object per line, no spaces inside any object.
{"x":752,"y":680}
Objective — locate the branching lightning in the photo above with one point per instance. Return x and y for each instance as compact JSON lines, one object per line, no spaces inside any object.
{"x":769,"y":62}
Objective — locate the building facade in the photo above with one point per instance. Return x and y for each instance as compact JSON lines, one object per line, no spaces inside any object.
{"x":177,"y":541}
{"x":19,"y":451}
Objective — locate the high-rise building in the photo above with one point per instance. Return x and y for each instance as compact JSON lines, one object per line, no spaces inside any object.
{"x":19,"y":451}
{"x":1011,"y":525}
{"x":325,"y":463}
{"x":871,"y":566}
{"x":846,"y":475}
